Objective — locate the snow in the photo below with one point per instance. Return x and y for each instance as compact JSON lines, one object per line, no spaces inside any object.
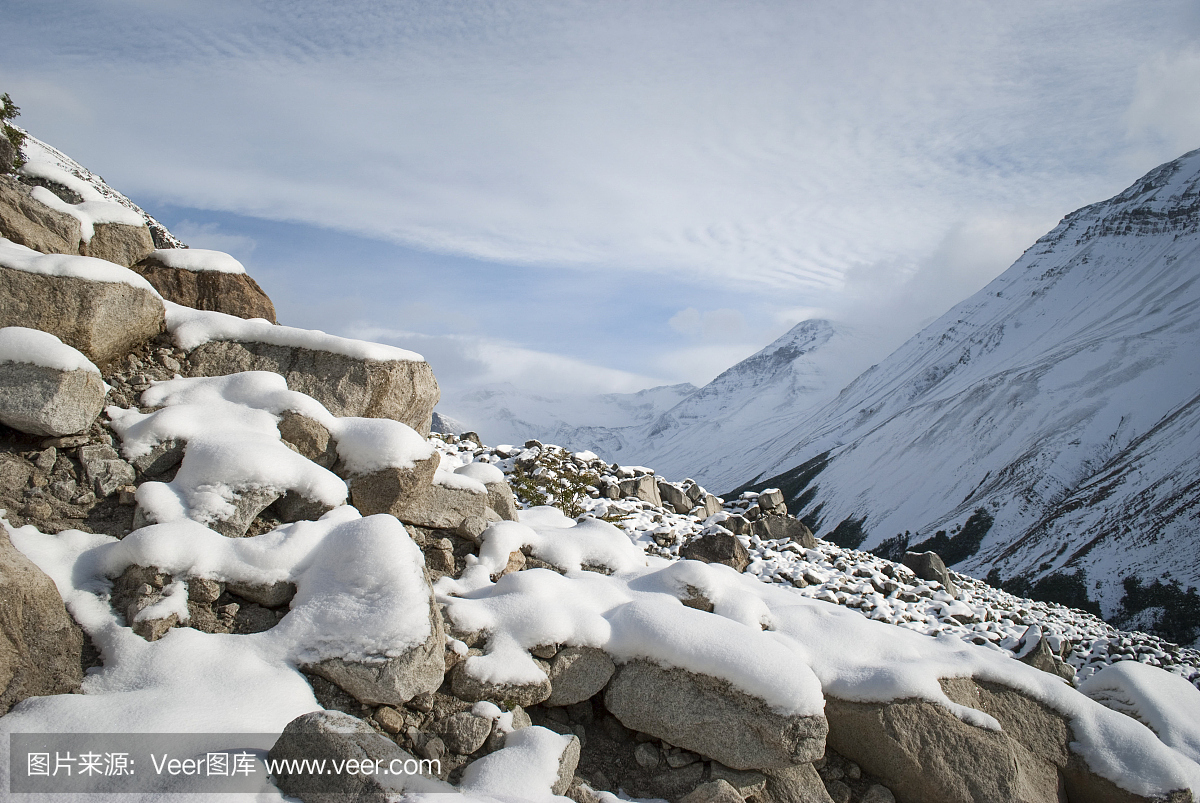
{"x":89,"y":213}
{"x":1162,"y":701}
{"x":525,"y":769}
{"x":192,"y":328}
{"x":198,"y":259}
{"x":18,"y":344}
{"x":18,"y":257}
{"x":484,"y":473}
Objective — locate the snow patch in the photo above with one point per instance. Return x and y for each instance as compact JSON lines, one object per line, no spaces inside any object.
{"x":18,"y":257}
{"x":198,"y":259}
{"x":18,"y":344}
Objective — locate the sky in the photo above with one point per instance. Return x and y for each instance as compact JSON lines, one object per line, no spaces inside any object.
{"x":604,"y":196}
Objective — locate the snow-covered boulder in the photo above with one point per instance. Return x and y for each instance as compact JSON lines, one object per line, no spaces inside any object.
{"x":33,"y":224}
{"x":349,"y":377}
{"x":396,"y":679}
{"x":774,"y":527}
{"x":472,"y":688}
{"x":207,"y":280}
{"x":40,"y":645}
{"x":99,"y":308}
{"x":46,"y":387}
{"x":500,"y":495}
{"x":711,"y":717}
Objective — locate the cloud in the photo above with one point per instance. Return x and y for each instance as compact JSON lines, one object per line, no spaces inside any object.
{"x":1165,"y":111}
{"x":468,"y":361}
{"x":711,"y":325}
{"x":209,"y":235}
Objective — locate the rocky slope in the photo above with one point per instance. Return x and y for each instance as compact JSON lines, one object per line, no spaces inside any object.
{"x":257,"y":546}
{"x":1058,"y":404}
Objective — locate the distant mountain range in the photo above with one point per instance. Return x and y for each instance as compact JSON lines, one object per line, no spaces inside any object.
{"x":1045,"y":432}
{"x":1057,"y":410}
{"x":682,"y":430}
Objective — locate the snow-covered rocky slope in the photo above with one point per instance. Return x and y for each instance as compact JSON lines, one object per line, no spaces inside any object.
{"x":1062,"y":400}
{"x":681,"y":429}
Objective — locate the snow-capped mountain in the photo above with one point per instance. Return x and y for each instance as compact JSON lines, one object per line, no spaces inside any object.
{"x":1063,"y":399}
{"x":680,"y":429}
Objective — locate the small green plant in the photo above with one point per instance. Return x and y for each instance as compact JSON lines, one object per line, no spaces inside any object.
{"x":564,"y":488}
{"x":9,"y":111}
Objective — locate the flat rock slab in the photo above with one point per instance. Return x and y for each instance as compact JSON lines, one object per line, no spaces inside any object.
{"x":40,"y":645}
{"x":216,"y":291}
{"x":401,"y":390}
{"x":774,"y":527}
{"x":711,"y":717}
{"x":717,"y":547}
{"x":104,"y":320}
{"x":46,"y":401}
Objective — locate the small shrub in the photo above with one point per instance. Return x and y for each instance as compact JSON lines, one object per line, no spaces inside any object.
{"x":9,"y":111}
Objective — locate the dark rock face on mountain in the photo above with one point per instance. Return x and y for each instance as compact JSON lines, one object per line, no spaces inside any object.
{"x":1059,"y":400}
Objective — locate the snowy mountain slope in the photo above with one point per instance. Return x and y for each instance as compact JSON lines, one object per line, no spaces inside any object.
{"x":1061,"y":398}
{"x":681,"y":429}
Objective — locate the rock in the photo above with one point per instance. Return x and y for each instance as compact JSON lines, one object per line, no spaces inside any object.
{"x":217,"y":291}
{"x":404,"y":391}
{"x":774,"y":528}
{"x":104,"y":469}
{"x":737,"y":524}
{"x":247,"y":504}
{"x":463,"y":732}
{"x":104,"y":320}
{"x":922,"y":752}
{"x":332,"y":736}
{"x":644,"y":488}
{"x":411,"y":495}
{"x":47,"y":401}
{"x":711,"y":717}
{"x":393,"y":681}
{"x":929,"y":566}
{"x":40,"y":645}
{"x":294,"y":506}
{"x":161,"y":458}
{"x":14,"y":474}
{"x":33,"y":224}
{"x":119,"y":243}
{"x":578,"y":673}
{"x":1037,"y":653}
{"x":568,"y":762}
{"x":877,"y":794}
{"x":745,"y":782}
{"x":309,"y":438}
{"x":204,"y":590}
{"x":839,"y":792}
{"x":717,"y":547}
{"x":711,"y":505}
{"x":391,"y":720}
{"x":470,"y":688}
{"x":647,"y":756}
{"x":270,"y":596}
{"x":502,"y":500}
{"x":718,"y":791}
{"x":770,"y":499}
{"x":675,"y":497}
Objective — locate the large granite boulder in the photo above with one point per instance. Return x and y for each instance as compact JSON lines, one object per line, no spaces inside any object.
{"x":674,"y":496}
{"x":925,"y":754}
{"x":711,"y":717}
{"x":118,"y":243}
{"x":644,"y":488}
{"x":46,"y":400}
{"x":103,"y":319}
{"x":40,"y":645}
{"x":231,"y":292}
{"x":419,"y":495}
{"x":403,"y":390}
{"x":578,"y":673}
{"x":32,"y":224}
